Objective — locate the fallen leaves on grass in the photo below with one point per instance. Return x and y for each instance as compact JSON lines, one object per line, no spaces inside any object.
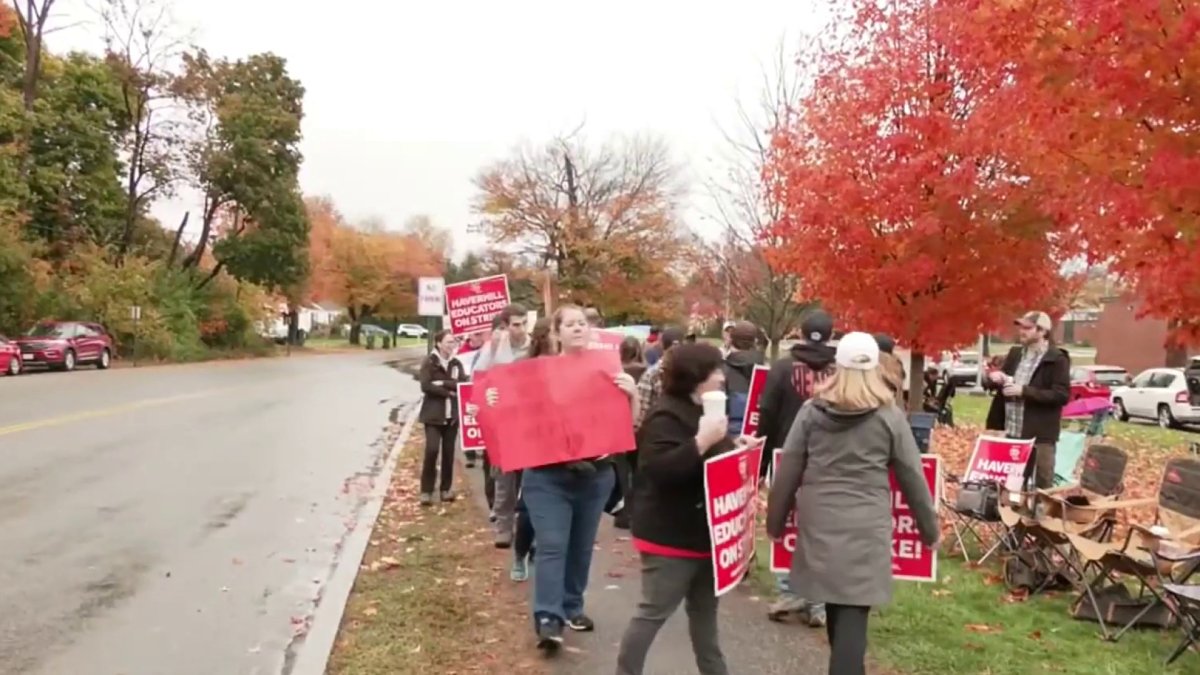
{"x":428,"y":591}
{"x":982,"y":628}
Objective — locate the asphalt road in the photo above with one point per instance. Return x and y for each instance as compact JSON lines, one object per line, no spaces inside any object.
{"x":181,"y":519}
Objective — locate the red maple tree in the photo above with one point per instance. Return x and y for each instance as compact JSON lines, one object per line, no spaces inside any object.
{"x":900,"y":211}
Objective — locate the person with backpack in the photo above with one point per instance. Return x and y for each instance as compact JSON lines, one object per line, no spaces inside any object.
{"x":738,"y":364}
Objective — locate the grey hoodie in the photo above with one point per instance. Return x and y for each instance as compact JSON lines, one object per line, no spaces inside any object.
{"x":835,"y":472}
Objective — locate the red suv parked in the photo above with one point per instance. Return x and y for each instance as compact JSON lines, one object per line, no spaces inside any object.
{"x":1096,"y":381}
{"x":65,"y":344}
{"x":10,"y":357}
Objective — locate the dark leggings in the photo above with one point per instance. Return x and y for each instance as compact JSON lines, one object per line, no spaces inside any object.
{"x":523,"y":541}
{"x":489,"y":483}
{"x":846,"y":626}
{"x":438,"y":438}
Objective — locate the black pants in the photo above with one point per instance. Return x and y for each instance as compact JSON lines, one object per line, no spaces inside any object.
{"x":489,"y":482}
{"x":438,"y":438}
{"x":846,"y":626}
{"x":523,"y":540}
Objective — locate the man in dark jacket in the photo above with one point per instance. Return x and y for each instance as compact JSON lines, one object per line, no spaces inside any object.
{"x":1031,"y":389}
{"x":739,"y":366}
{"x":790,"y":383}
{"x":791,"y":380}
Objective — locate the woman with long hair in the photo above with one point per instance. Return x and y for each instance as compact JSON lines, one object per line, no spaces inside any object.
{"x":439,"y":375}
{"x":565,"y":502}
{"x":541,"y":343}
{"x":620,"y":505}
{"x":670,"y":525}
{"x":834,"y":473}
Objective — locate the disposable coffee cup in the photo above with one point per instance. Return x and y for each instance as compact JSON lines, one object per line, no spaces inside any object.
{"x":714,"y":403}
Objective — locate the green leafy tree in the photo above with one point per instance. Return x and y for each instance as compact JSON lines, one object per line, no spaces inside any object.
{"x":74,"y":178}
{"x":245,"y":160}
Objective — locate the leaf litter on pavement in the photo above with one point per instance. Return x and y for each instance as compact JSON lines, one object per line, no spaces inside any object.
{"x":432,"y":593}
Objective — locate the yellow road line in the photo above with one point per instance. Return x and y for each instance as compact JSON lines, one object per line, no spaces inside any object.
{"x":102,"y":412}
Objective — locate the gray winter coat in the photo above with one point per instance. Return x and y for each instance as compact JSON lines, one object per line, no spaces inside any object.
{"x":838,"y":462}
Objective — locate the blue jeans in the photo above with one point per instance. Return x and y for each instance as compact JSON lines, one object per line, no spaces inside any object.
{"x":565,"y":507}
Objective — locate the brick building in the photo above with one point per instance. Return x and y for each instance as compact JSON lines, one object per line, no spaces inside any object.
{"x":1122,"y":339}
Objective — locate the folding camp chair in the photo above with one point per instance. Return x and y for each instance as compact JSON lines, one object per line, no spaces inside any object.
{"x":1186,"y":598}
{"x":980,"y":522}
{"x":1154,"y":557}
{"x":1067,"y":454}
{"x":1039,"y":535}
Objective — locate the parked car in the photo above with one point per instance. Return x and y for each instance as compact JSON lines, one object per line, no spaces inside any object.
{"x":962,"y":368}
{"x":1160,"y":394}
{"x":62,"y":345}
{"x":411,"y":330}
{"x":10,"y":357}
{"x":1096,"y":381}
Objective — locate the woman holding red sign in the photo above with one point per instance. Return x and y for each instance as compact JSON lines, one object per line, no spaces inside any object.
{"x":835,"y":474}
{"x":670,"y":523}
{"x":565,"y":503}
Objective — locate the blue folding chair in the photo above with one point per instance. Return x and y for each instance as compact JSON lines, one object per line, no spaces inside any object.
{"x":1070,"y":448}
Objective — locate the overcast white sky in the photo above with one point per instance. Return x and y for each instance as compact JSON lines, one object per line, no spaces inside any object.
{"x":406,"y":101}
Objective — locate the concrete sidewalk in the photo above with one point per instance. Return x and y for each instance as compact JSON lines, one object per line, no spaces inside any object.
{"x":751,"y":643}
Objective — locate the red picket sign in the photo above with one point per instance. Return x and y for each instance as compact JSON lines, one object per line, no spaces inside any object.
{"x":609,"y":343}
{"x":783,"y":549}
{"x":474,"y":304}
{"x":998,"y":459}
{"x":552,"y":410}
{"x":911,"y":559}
{"x":758,"y":382}
{"x":470,"y":436}
{"x":730,"y":499}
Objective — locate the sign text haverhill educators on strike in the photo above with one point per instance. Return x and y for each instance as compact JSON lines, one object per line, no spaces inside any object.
{"x":911,"y":559}
{"x":758,"y":382}
{"x":731,"y":497}
{"x":473,"y":305}
{"x":470,"y":435}
{"x":997,"y":459}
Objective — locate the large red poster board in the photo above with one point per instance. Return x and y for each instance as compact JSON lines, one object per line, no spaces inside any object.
{"x":731,"y":497}
{"x":997,"y":459}
{"x":758,"y":382}
{"x":470,"y":436}
{"x":473,"y":305}
{"x":911,"y":559}
{"x":552,"y":410}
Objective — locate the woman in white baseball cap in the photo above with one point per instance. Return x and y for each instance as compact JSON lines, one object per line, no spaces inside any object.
{"x":834,"y":473}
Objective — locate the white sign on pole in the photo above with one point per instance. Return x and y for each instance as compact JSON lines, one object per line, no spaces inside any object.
{"x":431,"y":296}
{"x":135,"y":312}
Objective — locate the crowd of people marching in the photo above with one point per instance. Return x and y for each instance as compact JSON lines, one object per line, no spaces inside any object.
{"x":831,"y":405}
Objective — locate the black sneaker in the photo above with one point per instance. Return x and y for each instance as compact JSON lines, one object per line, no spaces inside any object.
{"x":549,"y":635}
{"x":581,"y":624}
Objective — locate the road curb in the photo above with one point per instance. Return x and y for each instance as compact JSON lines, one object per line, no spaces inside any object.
{"x":313,"y":656}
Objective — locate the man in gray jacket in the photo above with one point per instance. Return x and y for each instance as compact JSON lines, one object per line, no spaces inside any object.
{"x":509,"y":343}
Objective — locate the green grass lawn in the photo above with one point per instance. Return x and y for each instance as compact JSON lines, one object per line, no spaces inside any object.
{"x":968,"y":623}
{"x":344,"y":343}
{"x":970,"y":409}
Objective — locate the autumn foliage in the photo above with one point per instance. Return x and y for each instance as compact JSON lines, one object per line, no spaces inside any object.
{"x":370,"y":270}
{"x":897,"y":211}
{"x":600,"y":222}
{"x":950,"y":157}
